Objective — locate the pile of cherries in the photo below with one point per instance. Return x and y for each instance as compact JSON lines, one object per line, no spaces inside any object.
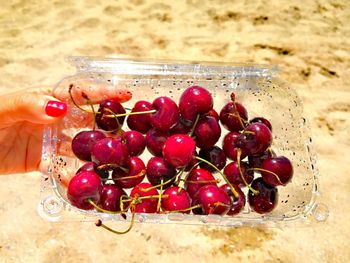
{"x":182,"y":174}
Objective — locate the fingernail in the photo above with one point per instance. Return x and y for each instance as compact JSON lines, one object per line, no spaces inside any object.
{"x":55,"y":108}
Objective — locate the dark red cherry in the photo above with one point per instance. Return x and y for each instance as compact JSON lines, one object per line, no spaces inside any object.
{"x":158,"y":169}
{"x":229,"y":145}
{"x":92,"y":167}
{"x":230,"y":116}
{"x":167,"y":114}
{"x":261,"y":120}
{"x":192,"y":163}
{"x":179,"y":149}
{"x":142,"y":122}
{"x":279,"y":170}
{"x":232,"y":173}
{"x":237,"y":204}
{"x":197,"y":178}
{"x":255,"y":139}
{"x":148,"y":205}
{"x":212,"y":113}
{"x":82,"y":143}
{"x":266,"y":200}
{"x":110,"y":197}
{"x":177,"y":199}
{"x":110,"y":151}
{"x":180,"y":127}
{"x":131,"y":175}
{"x":155,"y":140}
{"x":255,"y":161}
{"x":103,"y":117}
{"x":135,"y":142}
{"x":193,"y":101}
{"x":215,"y":156}
{"x":207,"y":132}
{"x":83,"y":187}
{"x":214,"y":200}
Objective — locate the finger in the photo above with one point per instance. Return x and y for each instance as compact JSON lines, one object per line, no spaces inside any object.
{"x":96,"y":92}
{"x":34,"y":108}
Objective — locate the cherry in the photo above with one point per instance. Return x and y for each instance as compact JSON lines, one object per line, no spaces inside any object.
{"x":215,"y":156}
{"x":212,"y":113}
{"x":233,"y":116}
{"x":196,"y":179}
{"x":131,"y":176}
{"x":142,"y":122}
{"x":207,"y":132}
{"x":177,"y":200}
{"x":213,"y":199}
{"x":155,"y":140}
{"x":232,"y":173}
{"x":236,"y":204}
{"x":110,"y":151}
{"x":277,"y":170}
{"x":263,"y":121}
{"x":92,"y":167}
{"x":266,"y":199}
{"x":166,"y":115}
{"x":84,"y":187}
{"x":180,"y":127}
{"x":255,"y":139}
{"x":104,"y":118}
{"x":255,"y":161}
{"x":135,"y":142}
{"x":158,"y":169}
{"x":229,"y":145}
{"x":193,"y":101}
{"x":179,"y":149}
{"x":82,"y":143}
{"x":193,"y":163}
{"x":110,"y":197}
{"x":148,"y":205}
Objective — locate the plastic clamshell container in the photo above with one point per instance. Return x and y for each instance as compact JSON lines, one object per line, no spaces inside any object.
{"x":256,"y":87}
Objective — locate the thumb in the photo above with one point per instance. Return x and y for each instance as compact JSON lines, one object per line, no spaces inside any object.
{"x":34,"y":108}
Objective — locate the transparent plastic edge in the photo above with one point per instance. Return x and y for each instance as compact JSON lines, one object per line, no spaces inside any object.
{"x":170,"y":68}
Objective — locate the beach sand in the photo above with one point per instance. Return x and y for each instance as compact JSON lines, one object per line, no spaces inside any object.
{"x":308,"y":40}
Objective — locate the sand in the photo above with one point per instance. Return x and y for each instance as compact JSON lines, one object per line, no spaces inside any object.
{"x":308,"y":40}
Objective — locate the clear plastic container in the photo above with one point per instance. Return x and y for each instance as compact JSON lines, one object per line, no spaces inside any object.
{"x":257,"y":87}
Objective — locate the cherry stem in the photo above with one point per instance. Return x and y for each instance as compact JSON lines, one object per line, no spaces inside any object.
{"x":203,"y":181}
{"x":131,"y":113}
{"x":158,"y":185}
{"x":112,"y":165}
{"x":239,"y":152}
{"x":194,"y":125}
{"x":142,"y":173}
{"x":223,"y":176}
{"x":233,"y":98}
{"x":100,"y":209}
{"x":100,"y":224}
{"x":185,"y":179}
{"x":76,"y":104}
{"x":183,"y":210}
{"x":160,"y":195}
{"x":266,"y":171}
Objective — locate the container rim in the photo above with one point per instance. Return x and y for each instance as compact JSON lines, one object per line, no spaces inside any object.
{"x":128,"y":66}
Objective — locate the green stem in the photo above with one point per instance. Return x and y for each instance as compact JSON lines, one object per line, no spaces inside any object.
{"x":239,"y":152}
{"x":234,"y":192}
{"x":131,"y":113}
{"x":194,"y":125}
{"x":266,"y":171}
{"x":100,"y":224}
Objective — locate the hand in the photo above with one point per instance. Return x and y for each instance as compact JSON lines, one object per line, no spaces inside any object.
{"x":24,"y":114}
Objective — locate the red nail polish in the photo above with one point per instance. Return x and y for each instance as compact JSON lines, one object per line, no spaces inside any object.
{"x":55,"y":108}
